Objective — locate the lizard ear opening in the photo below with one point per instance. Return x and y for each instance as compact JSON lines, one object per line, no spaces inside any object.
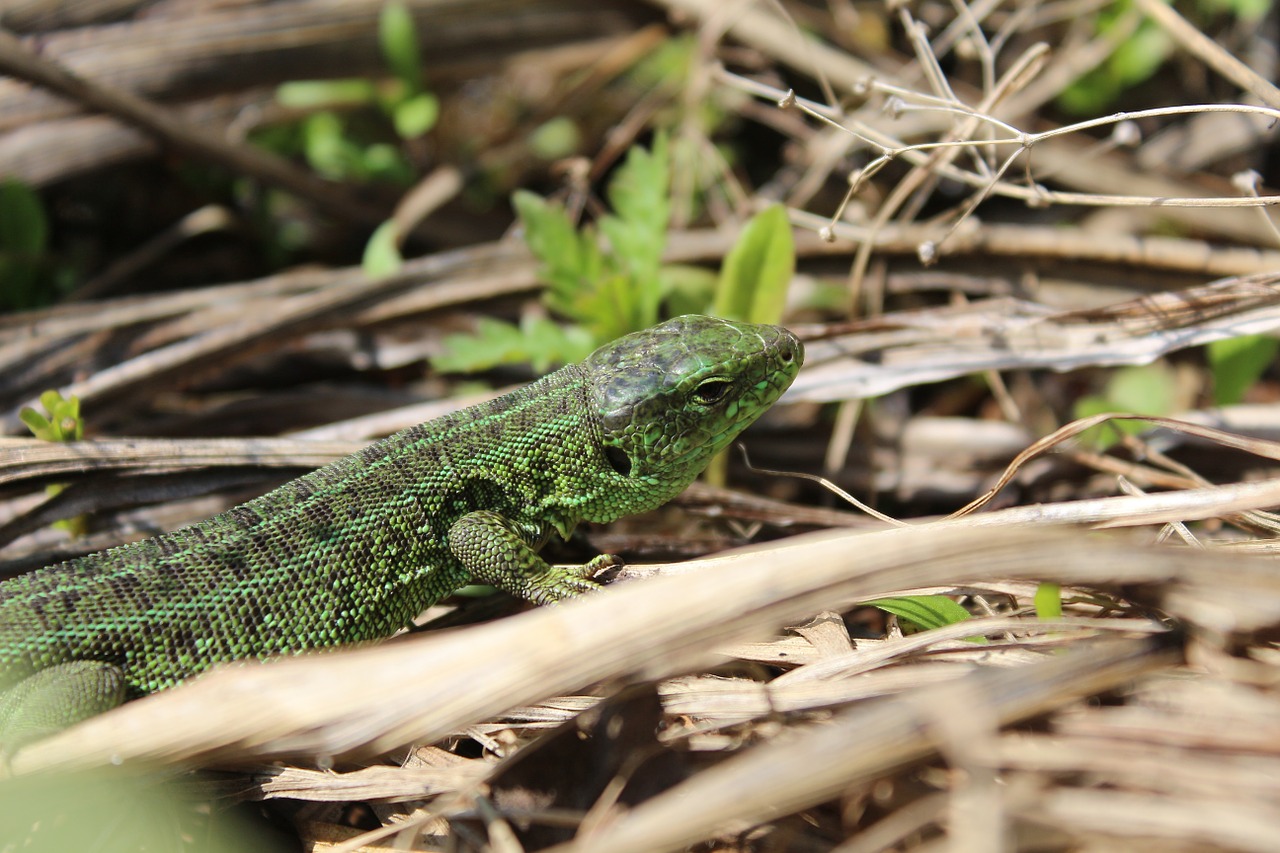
{"x":619,"y":460}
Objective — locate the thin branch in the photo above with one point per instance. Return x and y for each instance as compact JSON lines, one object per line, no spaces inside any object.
{"x":20,"y":61}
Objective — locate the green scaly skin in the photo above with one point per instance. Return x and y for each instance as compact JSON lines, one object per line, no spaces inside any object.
{"x":354,"y":551}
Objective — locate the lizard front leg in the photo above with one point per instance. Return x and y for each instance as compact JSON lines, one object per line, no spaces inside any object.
{"x":497,"y":552}
{"x":54,"y":698}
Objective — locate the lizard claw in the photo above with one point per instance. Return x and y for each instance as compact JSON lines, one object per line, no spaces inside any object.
{"x":558,"y":585}
{"x":595,"y":566}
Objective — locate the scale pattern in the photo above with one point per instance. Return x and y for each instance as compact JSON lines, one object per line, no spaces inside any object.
{"x":355,"y":550}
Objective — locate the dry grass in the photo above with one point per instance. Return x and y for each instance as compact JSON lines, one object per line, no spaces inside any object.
{"x":952,"y":222}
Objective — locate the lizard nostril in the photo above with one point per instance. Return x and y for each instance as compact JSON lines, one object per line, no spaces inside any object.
{"x":789,"y":349}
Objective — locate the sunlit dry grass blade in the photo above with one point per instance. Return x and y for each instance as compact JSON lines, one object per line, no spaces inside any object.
{"x":1257,"y":446}
{"x":370,"y":700}
{"x":24,"y":459}
{"x":368,"y":783}
{"x":813,"y":765}
{"x":903,"y":349}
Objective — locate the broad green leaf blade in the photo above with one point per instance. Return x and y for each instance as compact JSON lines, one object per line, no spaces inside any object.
{"x":493,"y":343}
{"x":1148,"y":389}
{"x":758,"y":269}
{"x":1237,"y":363}
{"x":385,"y":163}
{"x":638,"y":193}
{"x":548,"y":344}
{"x":923,"y":611}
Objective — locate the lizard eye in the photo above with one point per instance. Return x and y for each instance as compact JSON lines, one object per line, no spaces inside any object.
{"x":711,"y":391}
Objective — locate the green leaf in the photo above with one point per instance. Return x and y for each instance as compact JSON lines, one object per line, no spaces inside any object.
{"x":1141,"y":55}
{"x":557,"y":138}
{"x":313,"y":94}
{"x":1134,"y":60}
{"x":637,"y":230}
{"x":616,"y":291}
{"x":670,"y":65}
{"x":1237,"y":363}
{"x":1103,"y":435}
{"x":616,"y":306}
{"x":24,"y":239}
{"x":50,"y":400}
{"x":382,"y":252}
{"x":1149,"y":389}
{"x":64,"y":415}
{"x":491,"y":344}
{"x":687,"y":289}
{"x":78,"y":433}
{"x":416,"y":116}
{"x":538,"y":341}
{"x":62,"y":424}
{"x":573,"y":267}
{"x":1048,"y":601}
{"x":1249,"y":11}
{"x":638,"y":190}
{"x":399,"y":41}
{"x":37,"y":423}
{"x":328,"y":150}
{"x":386,"y":162}
{"x":923,"y":611}
{"x":24,"y":230}
{"x":61,"y":420}
{"x":758,"y":269}
{"x":550,"y":344}
{"x":547,"y":230}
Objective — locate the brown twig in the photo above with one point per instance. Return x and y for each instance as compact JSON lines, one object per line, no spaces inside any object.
{"x":20,"y":61}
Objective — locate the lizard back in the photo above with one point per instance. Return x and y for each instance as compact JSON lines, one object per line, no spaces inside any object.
{"x":349,"y":552}
{"x":355,"y":550}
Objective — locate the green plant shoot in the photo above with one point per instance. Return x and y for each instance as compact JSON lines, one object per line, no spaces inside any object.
{"x":923,"y":612}
{"x":61,"y":421}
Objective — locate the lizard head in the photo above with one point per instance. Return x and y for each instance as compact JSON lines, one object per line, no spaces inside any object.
{"x":670,"y":397}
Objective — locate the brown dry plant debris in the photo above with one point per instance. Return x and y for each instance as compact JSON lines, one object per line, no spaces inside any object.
{"x":974,"y":260}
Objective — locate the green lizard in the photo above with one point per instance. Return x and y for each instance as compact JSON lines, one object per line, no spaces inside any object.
{"x":355,"y":550}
